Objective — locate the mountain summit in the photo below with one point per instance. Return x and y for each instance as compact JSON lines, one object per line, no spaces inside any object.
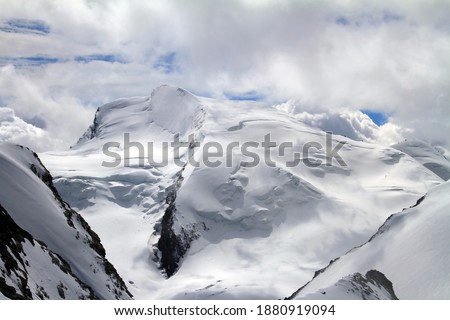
{"x":195,"y":198}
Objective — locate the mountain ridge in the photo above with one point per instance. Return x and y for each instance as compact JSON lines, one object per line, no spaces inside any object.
{"x":32,"y":206}
{"x":258,"y":214}
{"x":413,"y":237}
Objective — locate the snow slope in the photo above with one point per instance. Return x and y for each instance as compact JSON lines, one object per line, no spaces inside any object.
{"x":411,"y":249}
{"x":24,"y":261}
{"x":236,"y":230}
{"x":427,"y":155}
{"x":47,"y":249}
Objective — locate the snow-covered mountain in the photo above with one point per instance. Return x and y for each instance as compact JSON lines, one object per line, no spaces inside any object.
{"x":236,"y":229}
{"x":47,"y":250}
{"x":410,"y":249}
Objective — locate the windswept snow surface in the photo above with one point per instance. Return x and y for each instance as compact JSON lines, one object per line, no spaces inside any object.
{"x":236,"y":231}
{"x":50,"y":252}
{"x":427,"y":155}
{"x":410,"y":249}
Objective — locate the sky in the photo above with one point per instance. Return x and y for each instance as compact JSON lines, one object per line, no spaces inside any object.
{"x":323,"y":61}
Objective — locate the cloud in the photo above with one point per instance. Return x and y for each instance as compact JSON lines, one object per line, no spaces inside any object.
{"x":37,"y":100}
{"x":14,"y":129}
{"x":340,"y":57}
{"x":355,"y":125}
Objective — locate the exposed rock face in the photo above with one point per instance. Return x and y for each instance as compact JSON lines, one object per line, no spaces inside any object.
{"x":17,"y":249}
{"x":47,"y":250}
{"x":372,"y":286}
{"x":379,"y":279}
{"x":91,"y":132}
{"x":175,"y":240}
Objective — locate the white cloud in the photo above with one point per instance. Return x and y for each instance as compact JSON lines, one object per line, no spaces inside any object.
{"x":55,"y":106}
{"x":338,"y":56}
{"x":14,"y":129}
{"x":353,"y":124}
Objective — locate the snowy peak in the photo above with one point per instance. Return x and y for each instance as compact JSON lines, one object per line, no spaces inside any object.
{"x":175,"y":109}
{"x":254,"y":204}
{"x":167,"y":109}
{"x":116,"y":117}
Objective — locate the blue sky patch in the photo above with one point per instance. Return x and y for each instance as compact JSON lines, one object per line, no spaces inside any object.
{"x":167,"y":63}
{"x":368,"y":19}
{"x":36,"y":61}
{"x":40,"y":60}
{"x":99,"y":57}
{"x":378,"y":118}
{"x":38,"y":27}
{"x":391,"y":17}
{"x":33,"y":61}
{"x":37,"y":121}
{"x":343,"y":21}
{"x":246,"y":96}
